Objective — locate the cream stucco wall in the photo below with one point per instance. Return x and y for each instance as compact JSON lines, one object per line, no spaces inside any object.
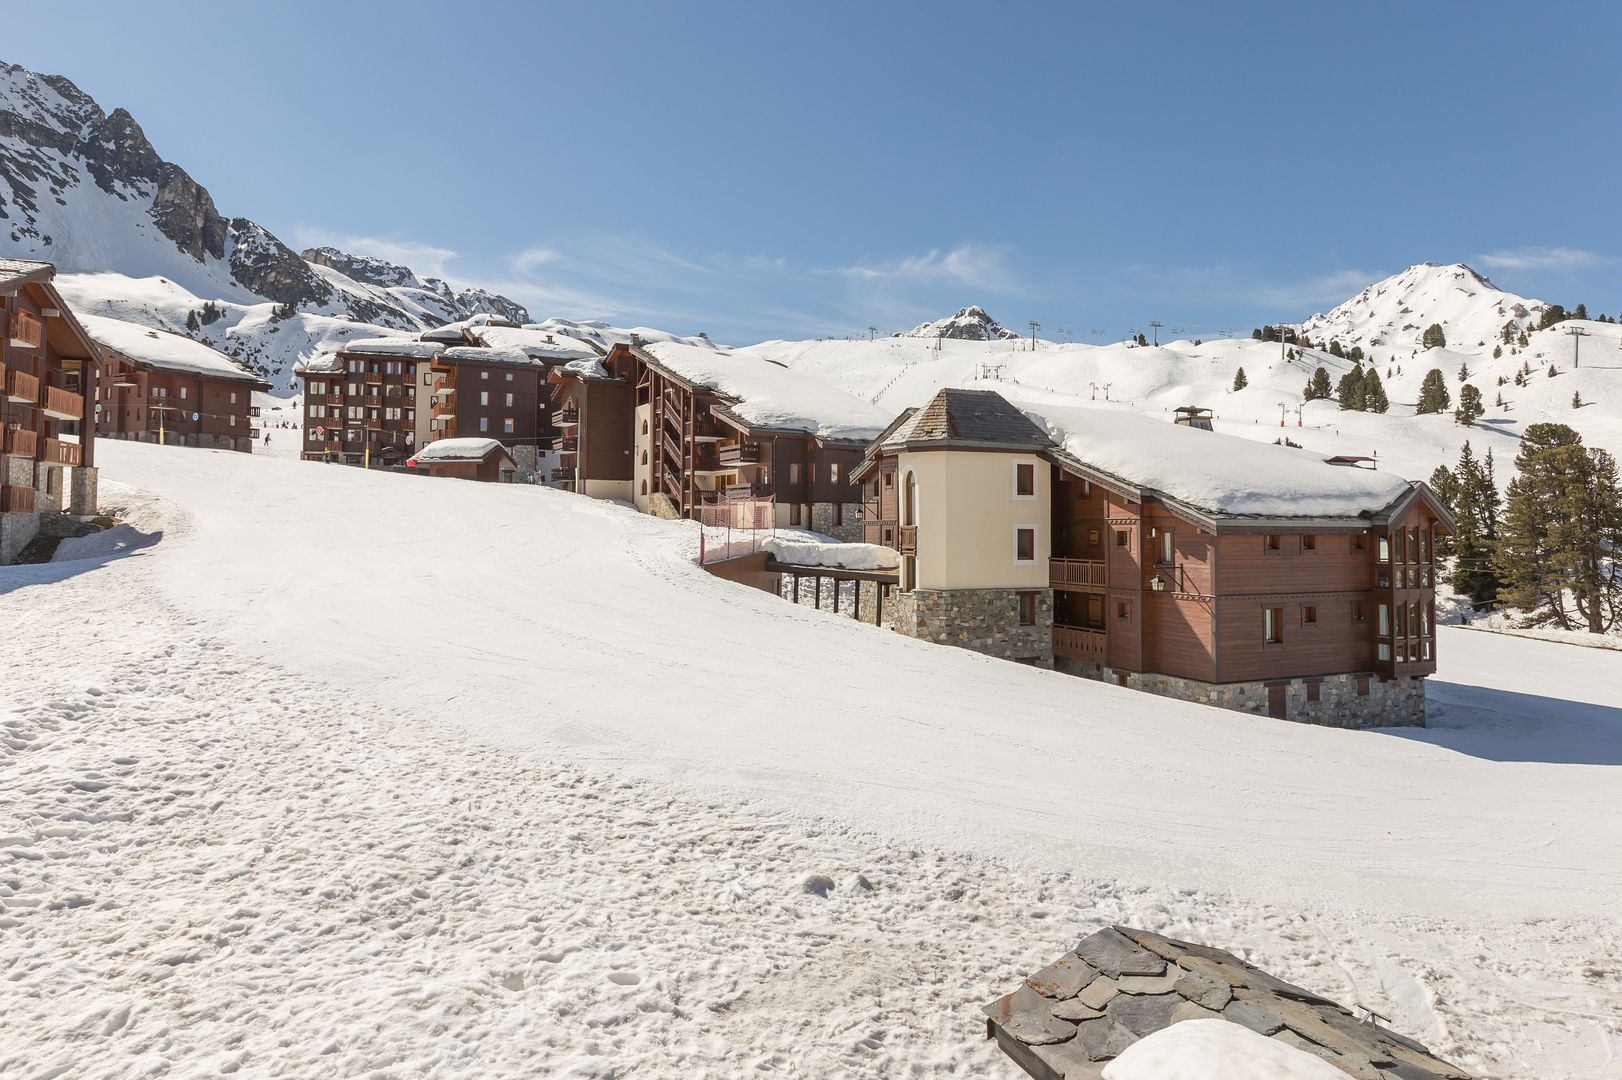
{"x":424,"y":404}
{"x":642,"y":460}
{"x":609,"y":489}
{"x":968,"y":514}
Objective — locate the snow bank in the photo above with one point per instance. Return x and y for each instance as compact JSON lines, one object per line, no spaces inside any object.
{"x":1216,"y":1050}
{"x":773,"y":396}
{"x":843,"y":556}
{"x":1212,"y":471}
{"x":161,"y":349}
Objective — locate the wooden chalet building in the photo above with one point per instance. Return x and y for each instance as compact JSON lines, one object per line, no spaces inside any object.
{"x":161,"y":387}
{"x":467,"y":459}
{"x":672,"y":427}
{"x":48,"y":375}
{"x":1162,"y":557}
{"x":379,"y":400}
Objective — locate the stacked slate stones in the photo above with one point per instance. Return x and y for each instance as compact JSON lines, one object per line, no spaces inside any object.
{"x":1072,"y":1017}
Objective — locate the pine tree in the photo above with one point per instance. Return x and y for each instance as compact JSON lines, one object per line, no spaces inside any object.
{"x":1553,"y":371}
{"x":1356,"y":354}
{"x":1581,"y":312}
{"x":1318,"y":386}
{"x":1562,"y":524}
{"x":1497,"y":351}
{"x":191,"y":320}
{"x":1239,"y":380}
{"x":1350,"y":389}
{"x":1374,"y":398}
{"x":1470,"y":407}
{"x":1434,"y":337}
{"x":1256,"y":335}
{"x":1472,"y":496}
{"x":1464,"y":372}
{"x":1433,"y":395}
{"x":1577,"y":400}
{"x":1335,"y":349}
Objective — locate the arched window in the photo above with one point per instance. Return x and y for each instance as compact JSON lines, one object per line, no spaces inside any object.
{"x":644,"y":486}
{"x":909,"y":504}
{"x":644,"y":427}
{"x":644,"y":461}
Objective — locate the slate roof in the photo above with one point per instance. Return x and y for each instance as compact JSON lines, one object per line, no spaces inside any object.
{"x":969,"y":417}
{"x":1074,"y":1016}
{"x":15,"y":271}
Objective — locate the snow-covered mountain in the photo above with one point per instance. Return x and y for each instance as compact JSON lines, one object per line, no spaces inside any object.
{"x":86,"y":190}
{"x":969,"y":324}
{"x":1471,"y":310}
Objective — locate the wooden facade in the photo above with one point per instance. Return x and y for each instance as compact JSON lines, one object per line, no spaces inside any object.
{"x":49,"y":372}
{"x":361,"y":407}
{"x":146,"y":402}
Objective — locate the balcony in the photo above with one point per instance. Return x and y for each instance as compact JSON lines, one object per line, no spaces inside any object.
{"x":374,"y":401}
{"x":16,"y":500}
{"x":566,"y":444}
{"x":63,"y":404}
{"x":20,"y":386}
{"x":58,"y":452}
{"x":907,"y":540}
{"x":673,"y":452}
{"x":567,"y":418}
{"x":20,"y":441}
{"x":374,"y":378}
{"x":1076,"y":573}
{"x":27,"y":331}
{"x":1080,"y":643}
{"x":740,"y":453}
{"x":562,"y":474}
{"x":335,"y":399}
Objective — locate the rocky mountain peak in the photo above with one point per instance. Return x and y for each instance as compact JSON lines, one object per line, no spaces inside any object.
{"x":969,"y":324}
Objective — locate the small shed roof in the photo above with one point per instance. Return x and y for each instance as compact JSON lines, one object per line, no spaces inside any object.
{"x":458,"y":450}
{"x":1119,"y":985}
{"x":959,"y":417}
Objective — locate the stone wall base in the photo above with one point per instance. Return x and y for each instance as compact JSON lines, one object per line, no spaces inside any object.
{"x":982,"y":620}
{"x":849,"y":529}
{"x":17,"y":531}
{"x":83,"y":487}
{"x":527,"y":458}
{"x":1340,"y":702}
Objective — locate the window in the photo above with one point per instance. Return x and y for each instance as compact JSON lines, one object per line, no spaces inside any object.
{"x":1093,"y":537}
{"x":485,"y":375}
{"x":509,"y":401}
{"x":1273,"y":625}
{"x":1360,"y":542}
{"x":644,"y":457}
{"x":889,"y":479}
{"x":1168,"y":549}
{"x":233,"y":419}
{"x":507,"y":426}
{"x":644,"y":487}
{"x":1384,"y":553}
{"x":484,"y":397}
{"x":509,"y":379}
{"x":182,"y":393}
{"x":1123,"y":609}
{"x":1309,"y":615}
{"x":1383,"y":652}
{"x":1122,"y":538}
{"x":1275,"y":542}
{"x":570,"y":405}
{"x":1384,"y":626}
{"x":833,"y":472}
{"x":794,"y":472}
{"x":1360,"y":612}
{"x":1024,"y":480}
{"x":1024,"y":545}
{"x":794,"y":514}
{"x":1027,"y":608}
{"x":1309,"y":543}
{"x":484,"y":423}
{"x":812,"y":473}
{"x":1314,"y":689}
{"x":233,"y":397}
{"x":1425,"y":650}
{"x":411,"y":414}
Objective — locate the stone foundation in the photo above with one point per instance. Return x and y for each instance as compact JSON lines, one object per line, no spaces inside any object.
{"x":83,"y":486}
{"x":527,"y":458}
{"x":17,"y":531}
{"x":982,"y":620}
{"x":849,"y":530}
{"x":1341,"y":703}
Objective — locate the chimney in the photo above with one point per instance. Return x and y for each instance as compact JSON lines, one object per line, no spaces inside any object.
{"x":636,"y":338}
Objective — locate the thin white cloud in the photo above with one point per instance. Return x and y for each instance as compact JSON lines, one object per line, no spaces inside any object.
{"x":1330,"y":289}
{"x":977,"y":266}
{"x":530,"y":258}
{"x":1538,"y":258}
{"x":428,"y":260}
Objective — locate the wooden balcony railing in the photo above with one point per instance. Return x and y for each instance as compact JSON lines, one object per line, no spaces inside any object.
{"x":740,"y":453}
{"x":566,"y":444}
{"x":374,"y":401}
{"x":335,"y":399}
{"x":27,"y":331}
{"x":21,"y":441}
{"x":58,"y":452}
{"x":1072,"y":572}
{"x":562,"y":474}
{"x":907,"y":539}
{"x":1080,"y":643}
{"x":21,"y":386}
{"x":63,"y":404}
{"x":374,"y":378}
{"x":566,"y":417}
{"x":17,"y":500}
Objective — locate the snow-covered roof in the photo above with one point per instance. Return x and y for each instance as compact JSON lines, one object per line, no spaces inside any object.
{"x":842,"y":556}
{"x":590,"y":370}
{"x":161,"y":349}
{"x":14,"y":270}
{"x":536,"y":343}
{"x":478,"y":354}
{"x":1220,"y":474}
{"x":767,"y":395}
{"x":458,"y":450}
{"x":395,"y":346}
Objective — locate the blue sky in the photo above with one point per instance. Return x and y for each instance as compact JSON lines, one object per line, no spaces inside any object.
{"x":771,"y":170}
